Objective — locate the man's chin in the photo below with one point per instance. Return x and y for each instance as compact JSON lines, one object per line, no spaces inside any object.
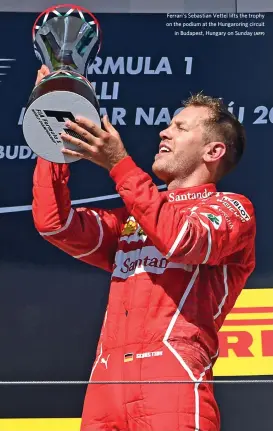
{"x":159,"y":168}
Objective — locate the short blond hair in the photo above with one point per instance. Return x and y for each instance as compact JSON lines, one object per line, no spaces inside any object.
{"x":221,"y":125}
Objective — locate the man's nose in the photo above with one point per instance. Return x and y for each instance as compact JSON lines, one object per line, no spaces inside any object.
{"x":165,"y":134}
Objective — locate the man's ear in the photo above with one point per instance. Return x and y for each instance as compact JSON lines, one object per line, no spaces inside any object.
{"x":214,"y":151}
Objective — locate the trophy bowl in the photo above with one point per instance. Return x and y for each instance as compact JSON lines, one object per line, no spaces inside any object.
{"x":67,"y":39}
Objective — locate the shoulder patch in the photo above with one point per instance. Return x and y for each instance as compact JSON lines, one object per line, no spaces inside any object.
{"x":215,"y":220}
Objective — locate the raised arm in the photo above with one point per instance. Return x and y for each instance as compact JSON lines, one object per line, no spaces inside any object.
{"x":215,"y":228}
{"x":87,"y":234}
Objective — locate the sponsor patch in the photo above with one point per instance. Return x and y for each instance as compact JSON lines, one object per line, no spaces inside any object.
{"x":145,"y":259}
{"x":239,"y":208}
{"x":236,"y":208}
{"x":215,"y":220}
{"x":189,"y":196}
{"x":105,"y":361}
{"x":225,"y":215}
{"x":132,"y":231}
{"x":130,"y":227}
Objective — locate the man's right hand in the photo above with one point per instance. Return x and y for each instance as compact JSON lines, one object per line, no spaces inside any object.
{"x":44,"y":71}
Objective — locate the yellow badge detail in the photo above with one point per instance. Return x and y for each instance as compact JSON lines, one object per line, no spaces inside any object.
{"x":129,"y":228}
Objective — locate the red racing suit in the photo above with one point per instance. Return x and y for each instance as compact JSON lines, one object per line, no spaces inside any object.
{"x":179,"y":259}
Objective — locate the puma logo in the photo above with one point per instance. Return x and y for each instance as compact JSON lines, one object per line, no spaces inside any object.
{"x":105,"y":361}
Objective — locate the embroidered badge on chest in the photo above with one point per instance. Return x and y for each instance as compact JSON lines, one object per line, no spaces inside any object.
{"x":132,"y":231}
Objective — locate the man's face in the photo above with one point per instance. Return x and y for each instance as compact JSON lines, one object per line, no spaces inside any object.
{"x":182,"y":145}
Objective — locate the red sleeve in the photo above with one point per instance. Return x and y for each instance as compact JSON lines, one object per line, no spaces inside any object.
{"x":88,"y":234}
{"x":207,"y":233}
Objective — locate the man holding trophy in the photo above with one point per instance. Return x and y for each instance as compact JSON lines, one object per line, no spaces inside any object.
{"x":178,"y":258}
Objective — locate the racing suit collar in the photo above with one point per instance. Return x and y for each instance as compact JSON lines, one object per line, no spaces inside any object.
{"x":191,"y":193}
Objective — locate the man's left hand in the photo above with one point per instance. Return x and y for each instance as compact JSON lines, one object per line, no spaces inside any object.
{"x":103,"y":147}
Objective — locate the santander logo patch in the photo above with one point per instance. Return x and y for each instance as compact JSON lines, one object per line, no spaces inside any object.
{"x":173,"y":197}
{"x":146,"y":259}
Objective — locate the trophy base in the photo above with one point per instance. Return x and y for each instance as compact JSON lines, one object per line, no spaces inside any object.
{"x":51,"y":103}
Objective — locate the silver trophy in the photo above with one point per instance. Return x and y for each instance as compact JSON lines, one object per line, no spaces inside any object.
{"x":66,"y":38}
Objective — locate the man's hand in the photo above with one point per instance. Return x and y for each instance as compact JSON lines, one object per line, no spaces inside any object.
{"x":102,"y":147}
{"x":44,"y":71}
